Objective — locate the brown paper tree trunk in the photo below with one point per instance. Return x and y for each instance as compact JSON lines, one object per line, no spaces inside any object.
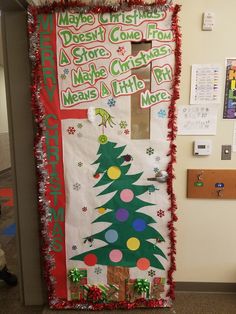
{"x":117,"y":275}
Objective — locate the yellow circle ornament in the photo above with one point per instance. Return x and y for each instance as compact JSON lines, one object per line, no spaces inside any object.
{"x":114,"y":173}
{"x":101,"y":210}
{"x":133,"y":244}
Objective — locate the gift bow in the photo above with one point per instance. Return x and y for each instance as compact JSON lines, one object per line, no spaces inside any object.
{"x":95,"y":294}
{"x":142,"y":285}
{"x":75,"y":275}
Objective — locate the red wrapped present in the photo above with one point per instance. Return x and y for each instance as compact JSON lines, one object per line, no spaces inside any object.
{"x":76,"y":290}
{"x":158,"y":287}
{"x":108,"y":293}
{"x":131,"y":291}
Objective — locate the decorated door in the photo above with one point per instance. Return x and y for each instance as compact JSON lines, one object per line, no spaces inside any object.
{"x":105,"y":83}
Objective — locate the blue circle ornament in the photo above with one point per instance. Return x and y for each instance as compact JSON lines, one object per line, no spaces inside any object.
{"x":139,"y":225}
{"x":111,"y":236}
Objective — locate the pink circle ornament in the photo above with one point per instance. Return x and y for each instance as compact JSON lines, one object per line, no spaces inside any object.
{"x":126,"y":195}
{"x":115,"y":256}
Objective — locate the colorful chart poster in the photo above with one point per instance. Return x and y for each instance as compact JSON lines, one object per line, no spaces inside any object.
{"x":104,"y":91}
{"x":230,"y":90}
{"x":206,"y":84}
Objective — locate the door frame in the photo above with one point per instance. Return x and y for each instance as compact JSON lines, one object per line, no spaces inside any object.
{"x":21,"y":133}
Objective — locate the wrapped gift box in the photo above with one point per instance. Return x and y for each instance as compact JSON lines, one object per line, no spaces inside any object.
{"x":112,"y":293}
{"x":159,"y":280}
{"x":109,"y":291}
{"x":131,"y":293}
{"x":76,"y":290}
{"x":158,"y":287}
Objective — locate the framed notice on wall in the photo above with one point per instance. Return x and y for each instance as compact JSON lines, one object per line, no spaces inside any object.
{"x":105,"y":83}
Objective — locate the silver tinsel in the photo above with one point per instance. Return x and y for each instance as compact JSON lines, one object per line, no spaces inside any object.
{"x":41,"y":156}
{"x":122,"y":5}
{"x":83,"y":307}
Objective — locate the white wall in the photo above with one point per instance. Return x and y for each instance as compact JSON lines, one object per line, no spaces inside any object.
{"x":4,"y":137}
{"x":206,"y":236}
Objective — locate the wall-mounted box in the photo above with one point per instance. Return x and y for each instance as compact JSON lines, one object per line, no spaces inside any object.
{"x":211,"y":183}
{"x":202,"y":147}
{"x":208,"y":21}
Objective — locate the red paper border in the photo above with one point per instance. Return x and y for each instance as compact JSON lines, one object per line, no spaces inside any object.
{"x":56,"y":201}
{"x":56,"y":290}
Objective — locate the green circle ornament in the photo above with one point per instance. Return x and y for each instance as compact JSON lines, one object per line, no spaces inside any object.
{"x":102,"y":139}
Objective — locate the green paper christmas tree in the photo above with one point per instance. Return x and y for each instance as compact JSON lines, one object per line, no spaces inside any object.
{"x":129,"y":234}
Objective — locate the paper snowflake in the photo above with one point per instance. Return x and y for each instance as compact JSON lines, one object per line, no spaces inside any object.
{"x":80,"y":164}
{"x":160,"y":213}
{"x":76,"y":186}
{"x":121,"y":50}
{"x":151,"y":273}
{"x":63,"y":76}
{"x":111,"y":102}
{"x":126,"y":132}
{"x":66,"y":71}
{"x":71,"y":130}
{"x":79,"y":125}
{"x":162,"y":113}
{"x":98,"y":270}
{"x":85,"y":208}
{"x":149,"y":151}
{"x":123,"y":124}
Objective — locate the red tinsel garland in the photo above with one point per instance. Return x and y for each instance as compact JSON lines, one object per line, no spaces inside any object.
{"x":54,"y":302}
{"x":124,"y":305}
{"x":171,"y":136}
{"x":64,"y":4}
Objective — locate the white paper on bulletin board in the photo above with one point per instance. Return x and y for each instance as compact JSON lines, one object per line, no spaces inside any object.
{"x":197,"y":120}
{"x":206,"y":84}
